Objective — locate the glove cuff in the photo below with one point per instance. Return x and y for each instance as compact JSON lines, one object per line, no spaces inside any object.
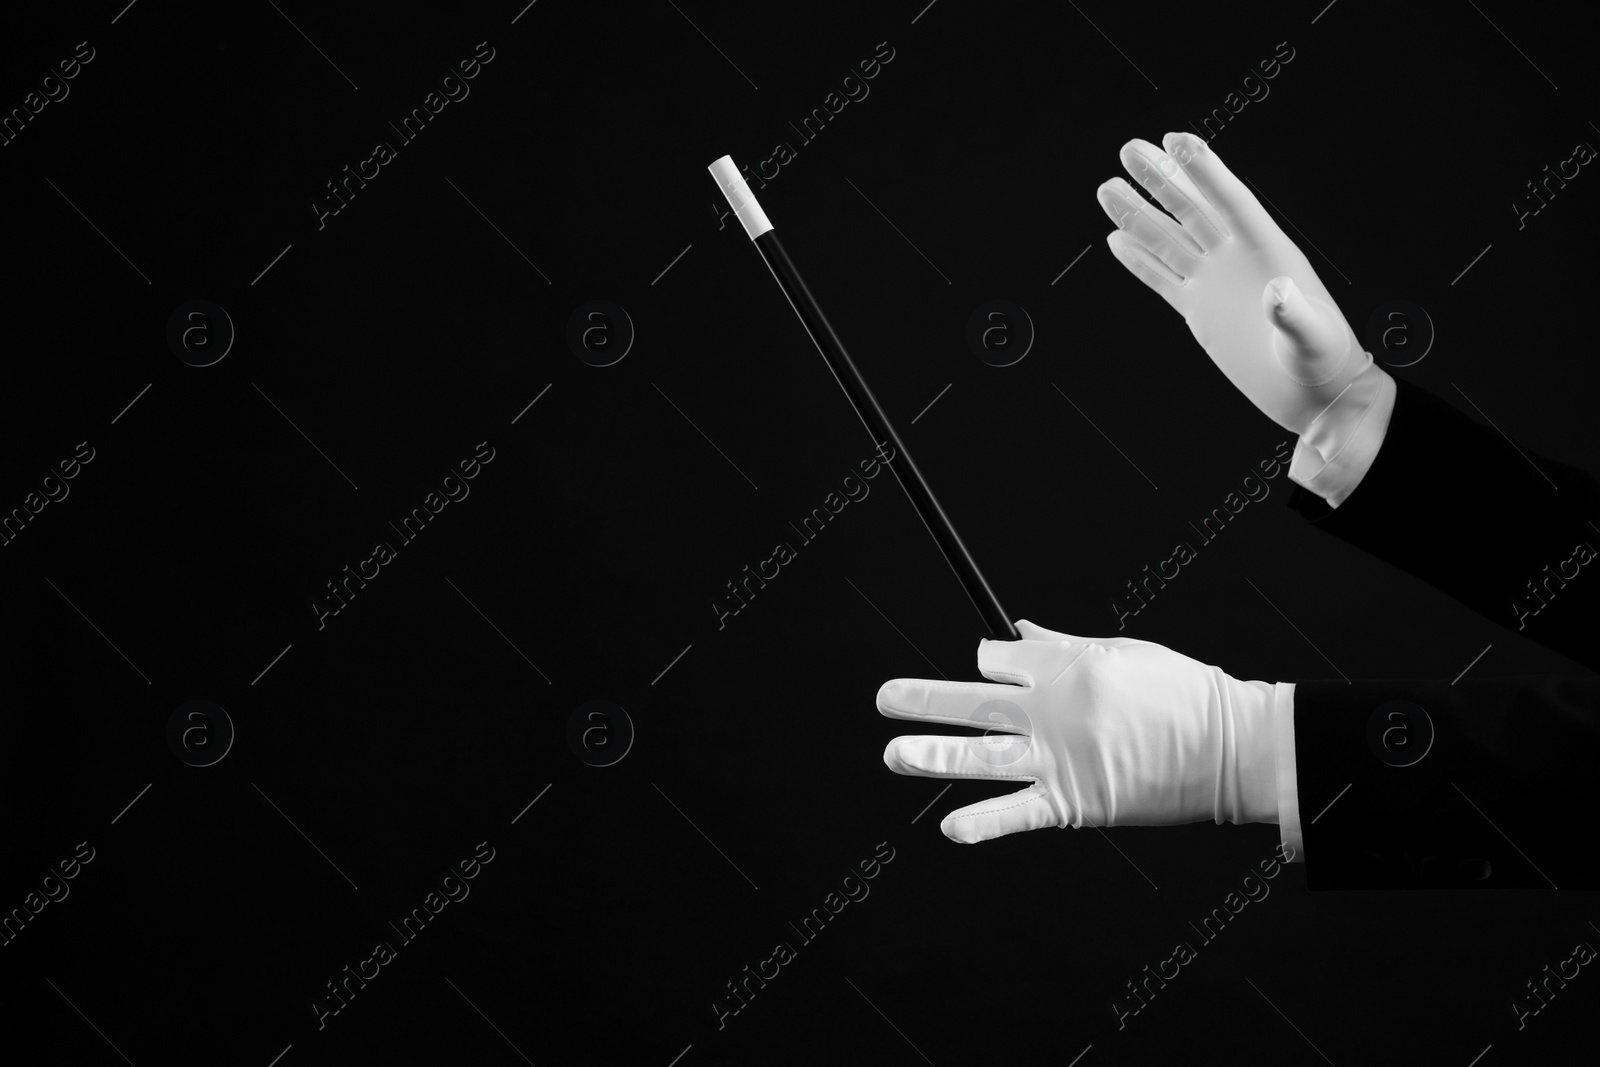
{"x":1247,"y":785}
{"x":1336,"y":450}
{"x":1289,"y":834}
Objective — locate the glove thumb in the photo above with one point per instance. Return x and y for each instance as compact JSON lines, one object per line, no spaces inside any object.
{"x":1312,"y":342}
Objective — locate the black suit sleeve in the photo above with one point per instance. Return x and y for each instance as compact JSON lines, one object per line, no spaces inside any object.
{"x":1460,"y":507}
{"x":1501,"y":797}
{"x":1498,"y":800}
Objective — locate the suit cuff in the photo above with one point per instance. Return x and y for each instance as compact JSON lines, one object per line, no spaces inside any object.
{"x":1338,"y":448}
{"x":1294,"y":848}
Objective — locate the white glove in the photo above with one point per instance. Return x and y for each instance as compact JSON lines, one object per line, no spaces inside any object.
{"x":1247,"y":292}
{"x":1111,"y":732}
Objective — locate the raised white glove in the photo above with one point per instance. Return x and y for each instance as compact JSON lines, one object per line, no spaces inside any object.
{"x":1247,"y":292}
{"x":1111,"y":732}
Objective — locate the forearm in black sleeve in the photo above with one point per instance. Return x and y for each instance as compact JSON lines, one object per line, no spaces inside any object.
{"x":1454,"y":503}
{"x":1505,"y":795}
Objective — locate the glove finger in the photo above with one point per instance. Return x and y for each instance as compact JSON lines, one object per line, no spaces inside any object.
{"x":1026,"y":809}
{"x":955,"y":703}
{"x":1032,"y":632}
{"x":1160,"y":176}
{"x":1149,"y":226}
{"x":994,"y":755}
{"x":1170,"y":227}
{"x":1010,"y":661}
{"x":1235,"y":203}
{"x":1144,"y":266}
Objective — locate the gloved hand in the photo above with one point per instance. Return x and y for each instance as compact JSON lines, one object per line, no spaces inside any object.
{"x":1247,"y":292}
{"x":1111,"y":732}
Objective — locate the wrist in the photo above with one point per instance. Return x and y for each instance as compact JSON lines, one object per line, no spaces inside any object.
{"x":1337,"y":449}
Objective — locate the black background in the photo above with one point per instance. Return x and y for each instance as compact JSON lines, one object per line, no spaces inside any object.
{"x":434,"y":708}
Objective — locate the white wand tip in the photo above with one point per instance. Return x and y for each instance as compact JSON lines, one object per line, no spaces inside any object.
{"x":740,"y":198}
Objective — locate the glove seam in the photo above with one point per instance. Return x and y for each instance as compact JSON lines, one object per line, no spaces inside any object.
{"x":947,"y":720}
{"x":1000,"y":777}
{"x":995,"y":811}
